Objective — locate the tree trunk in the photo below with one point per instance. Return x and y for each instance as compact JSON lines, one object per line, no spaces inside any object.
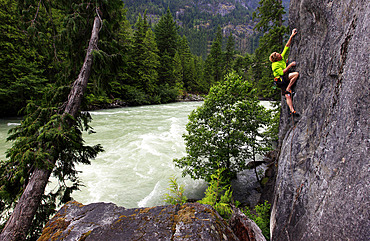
{"x":18,"y":224}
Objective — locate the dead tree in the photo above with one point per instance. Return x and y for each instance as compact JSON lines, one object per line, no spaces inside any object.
{"x":18,"y":224}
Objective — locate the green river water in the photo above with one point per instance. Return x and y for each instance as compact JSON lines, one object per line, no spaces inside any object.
{"x":140,"y":144}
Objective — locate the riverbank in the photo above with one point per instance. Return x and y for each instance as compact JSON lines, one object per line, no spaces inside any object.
{"x":117,"y":103}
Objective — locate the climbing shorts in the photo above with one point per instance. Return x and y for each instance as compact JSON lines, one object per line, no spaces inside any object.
{"x":282,"y":82}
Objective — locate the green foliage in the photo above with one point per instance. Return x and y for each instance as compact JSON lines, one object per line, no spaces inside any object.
{"x":219,"y":195}
{"x":222,"y":132}
{"x":272,"y":132}
{"x":271,"y":25}
{"x":215,"y":59}
{"x":176,"y":195}
{"x":166,"y":35}
{"x":145,"y":59}
{"x":44,"y":135}
{"x":21,"y":76}
{"x":261,"y":216}
{"x":167,"y":93}
{"x":229,"y":54}
{"x":43,"y":47}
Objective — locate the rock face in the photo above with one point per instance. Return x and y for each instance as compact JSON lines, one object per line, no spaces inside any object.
{"x":106,"y":221}
{"x":322,"y":187}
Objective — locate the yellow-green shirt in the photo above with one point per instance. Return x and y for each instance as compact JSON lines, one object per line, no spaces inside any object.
{"x":278,"y":66}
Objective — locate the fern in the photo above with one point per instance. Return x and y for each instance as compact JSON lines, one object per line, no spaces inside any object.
{"x":219,"y":195}
{"x":176,"y":195}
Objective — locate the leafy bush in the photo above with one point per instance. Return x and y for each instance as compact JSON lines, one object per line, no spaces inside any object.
{"x":222,"y":133}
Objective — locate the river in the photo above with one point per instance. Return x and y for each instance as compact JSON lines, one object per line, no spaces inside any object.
{"x":140,"y":144}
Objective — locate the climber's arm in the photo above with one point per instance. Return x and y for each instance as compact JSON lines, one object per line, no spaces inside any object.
{"x":294,"y":32}
{"x":289,"y":66}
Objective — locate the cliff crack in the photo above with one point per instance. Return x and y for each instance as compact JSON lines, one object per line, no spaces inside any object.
{"x":344,"y":46}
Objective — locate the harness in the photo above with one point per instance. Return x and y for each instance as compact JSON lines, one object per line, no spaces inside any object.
{"x":278,"y":81}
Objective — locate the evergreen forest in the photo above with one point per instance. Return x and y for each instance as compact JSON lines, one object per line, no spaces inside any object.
{"x":150,"y":52}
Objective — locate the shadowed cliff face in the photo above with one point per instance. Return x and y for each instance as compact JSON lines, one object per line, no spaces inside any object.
{"x":322,"y":187}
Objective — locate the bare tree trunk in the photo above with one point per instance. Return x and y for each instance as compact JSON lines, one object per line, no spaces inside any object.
{"x":18,"y":224}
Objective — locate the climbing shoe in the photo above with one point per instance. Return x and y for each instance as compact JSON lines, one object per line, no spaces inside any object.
{"x":295,"y":114}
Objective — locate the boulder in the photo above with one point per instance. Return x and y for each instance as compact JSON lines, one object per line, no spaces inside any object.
{"x":106,"y":221}
{"x":244,"y":228}
{"x":322,"y":185}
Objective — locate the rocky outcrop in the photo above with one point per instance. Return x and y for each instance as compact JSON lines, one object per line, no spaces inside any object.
{"x":244,"y":228}
{"x":322,"y":187}
{"x":106,"y":221}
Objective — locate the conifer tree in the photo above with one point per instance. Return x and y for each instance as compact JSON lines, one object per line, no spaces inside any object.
{"x":229,"y":54}
{"x":49,"y":140}
{"x":151,"y":63}
{"x":270,"y":24}
{"x":214,"y":62}
{"x":178,"y":72}
{"x":21,"y":75}
{"x":138,"y":51}
{"x":166,"y":35}
{"x":188,"y":71}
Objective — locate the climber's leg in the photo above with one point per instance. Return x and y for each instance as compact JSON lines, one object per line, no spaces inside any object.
{"x":289,"y":102}
{"x":292,"y":78}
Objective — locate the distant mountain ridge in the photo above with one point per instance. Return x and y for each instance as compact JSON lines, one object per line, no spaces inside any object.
{"x":198,"y":20}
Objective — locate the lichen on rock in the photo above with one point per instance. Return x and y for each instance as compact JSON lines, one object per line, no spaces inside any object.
{"x":106,"y":221}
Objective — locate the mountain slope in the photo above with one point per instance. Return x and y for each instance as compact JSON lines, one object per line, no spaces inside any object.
{"x":198,"y":20}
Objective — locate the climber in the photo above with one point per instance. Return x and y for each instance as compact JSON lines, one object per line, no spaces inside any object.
{"x":282,"y":77}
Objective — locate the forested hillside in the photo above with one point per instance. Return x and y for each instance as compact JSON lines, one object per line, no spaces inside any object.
{"x":198,"y":20}
{"x":150,"y":52}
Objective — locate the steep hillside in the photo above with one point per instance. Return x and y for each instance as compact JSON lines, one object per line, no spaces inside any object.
{"x":322,"y":188}
{"x":198,"y":20}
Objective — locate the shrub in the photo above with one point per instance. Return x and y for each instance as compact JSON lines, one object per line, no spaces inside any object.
{"x":176,"y":195}
{"x":218,"y":195}
{"x":261,"y":217}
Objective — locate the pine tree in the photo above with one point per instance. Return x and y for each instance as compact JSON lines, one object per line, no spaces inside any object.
{"x":178,"y":72}
{"x":270,"y":22}
{"x":214,"y":62}
{"x":151,"y":63}
{"x":166,"y":35}
{"x":49,"y":141}
{"x":21,"y":76}
{"x":229,"y":54}
{"x":138,"y":51}
{"x":270,"y":16}
{"x":188,"y":68}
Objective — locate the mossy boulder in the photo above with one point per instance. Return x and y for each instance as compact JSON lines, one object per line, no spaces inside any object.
{"x":106,"y":221}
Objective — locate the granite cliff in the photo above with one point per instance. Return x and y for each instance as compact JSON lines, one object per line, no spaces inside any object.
{"x":322,"y":185}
